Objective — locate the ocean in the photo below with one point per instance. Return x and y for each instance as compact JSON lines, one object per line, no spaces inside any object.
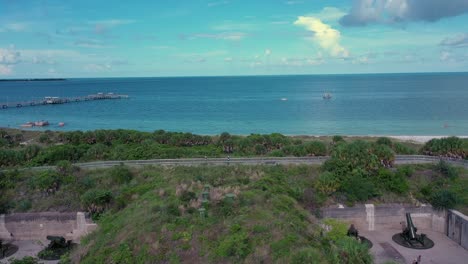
{"x":372,"y":104}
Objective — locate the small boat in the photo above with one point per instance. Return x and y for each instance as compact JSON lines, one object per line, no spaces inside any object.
{"x":28,"y":124}
{"x":41,"y":123}
{"x":284,"y":99}
{"x":61,"y":124}
{"x":326,"y":96}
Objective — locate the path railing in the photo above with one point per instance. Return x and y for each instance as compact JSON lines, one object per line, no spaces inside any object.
{"x":399,"y":160}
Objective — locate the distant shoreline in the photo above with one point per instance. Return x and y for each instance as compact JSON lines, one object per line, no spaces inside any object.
{"x":420,"y":139}
{"x":33,"y":80}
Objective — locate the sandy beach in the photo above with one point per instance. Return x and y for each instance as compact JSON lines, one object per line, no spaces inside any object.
{"x":419,"y":139}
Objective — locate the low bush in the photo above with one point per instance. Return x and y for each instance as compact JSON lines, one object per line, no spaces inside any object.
{"x":121,"y":174}
{"x":444,"y":199}
{"x":236,"y":245}
{"x":327,"y":183}
{"x":446,"y":169}
{"x":338,"y":229}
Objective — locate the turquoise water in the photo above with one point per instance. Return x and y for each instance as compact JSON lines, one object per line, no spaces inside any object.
{"x":382,"y":104}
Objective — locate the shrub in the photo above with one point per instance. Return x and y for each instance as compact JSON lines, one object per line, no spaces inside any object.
{"x":354,"y":252}
{"x":123,"y":255}
{"x":121,"y":174}
{"x":315,"y":148}
{"x":406,"y":171}
{"x":260,"y":149}
{"x":24,"y":205}
{"x":282,"y":247}
{"x":276,"y":153}
{"x":384,"y":141}
{"x":451,"y":146}
{"x":337,"y":139}
{"x":327,"y":183}
{"x":358,"y":188}
{"x":64,"y":167}
{"x":237,"y":244}
{"x":307,"y":255}
{"x":444,"y":199}
{"x":393,"y":182}
{"x":358,"y":155}
{"x":338,"y":229}
{"x":446,"y":169}
{"x":47,"y":180}
{"x":96,"y":200}
{"x":25,"y":260}
{"x":402,"y":149}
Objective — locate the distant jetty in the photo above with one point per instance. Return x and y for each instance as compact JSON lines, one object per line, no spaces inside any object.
{"x":33,"y":80}
{"x":53,"y":100}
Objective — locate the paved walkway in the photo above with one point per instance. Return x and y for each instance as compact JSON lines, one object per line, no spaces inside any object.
{"x":28,"y":248}
{"x":445,"y":251}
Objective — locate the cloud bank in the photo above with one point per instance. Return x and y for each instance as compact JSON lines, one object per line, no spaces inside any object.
{"x":325,"y":36}
{"x":364,"y":12}
{"x":456,"y":41}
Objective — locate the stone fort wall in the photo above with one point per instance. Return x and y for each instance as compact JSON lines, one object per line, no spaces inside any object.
{"x":37,"y":226}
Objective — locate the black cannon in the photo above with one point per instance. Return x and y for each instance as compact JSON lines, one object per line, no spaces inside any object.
{"x":410,"y":238}
{"x":57,"y":242}
{"x":7,"y":249}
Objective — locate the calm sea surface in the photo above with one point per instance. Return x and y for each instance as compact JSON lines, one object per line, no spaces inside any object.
{"x":383,"y":104}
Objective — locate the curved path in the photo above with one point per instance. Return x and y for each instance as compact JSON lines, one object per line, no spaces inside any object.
{"x":399,"y":159}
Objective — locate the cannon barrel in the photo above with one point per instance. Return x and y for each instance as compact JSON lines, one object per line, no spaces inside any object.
{"x":410,"y":226}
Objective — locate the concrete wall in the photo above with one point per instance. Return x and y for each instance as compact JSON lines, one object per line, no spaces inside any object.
{"x":37,"y":226}
{"x":370,"y":217}
{"x":457,"y":227}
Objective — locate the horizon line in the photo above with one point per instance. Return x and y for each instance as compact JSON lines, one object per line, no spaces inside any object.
{"x":240,"y":75}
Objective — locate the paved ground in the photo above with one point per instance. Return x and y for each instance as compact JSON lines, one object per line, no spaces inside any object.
{"x":445,"y":250}
{"x":29,"y":248}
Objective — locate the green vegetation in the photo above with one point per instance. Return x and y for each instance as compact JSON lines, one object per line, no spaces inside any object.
{"x":49,"y":148}
{"x":251,"y":213}
{"x":212,"y":214}
{"x":450,"y":147}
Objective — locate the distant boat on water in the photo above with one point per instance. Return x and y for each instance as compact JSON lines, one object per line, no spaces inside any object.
{"x":284,"y":99}
{"x":41,"y":123}
{"x":327,"y":96}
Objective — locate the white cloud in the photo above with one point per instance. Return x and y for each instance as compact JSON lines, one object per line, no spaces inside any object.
{"x":299,"y":62}
{"x":94,"y":67}
{"x":9,"y":56}
{"x":234,"y":26}
{"x":267,"y":52}
{"x":5,"y":70}
{"x":457,"y":41}
{"x":103,"y":26}
{"x":90,"y":43}
{"x":291,"y":2}
{"x":37,"y":60}
{"x":329,"y":14}
{"x":15,"y":27}
{"x":325,"y":36}
{"x":231,"y":36}
{"x":217,"y":3}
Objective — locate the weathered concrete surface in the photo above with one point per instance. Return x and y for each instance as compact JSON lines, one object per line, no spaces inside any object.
{"x":29,"y":248}
{"x":457,"y":228}
{"x":445,"y":251}
{"x":37,"y":226}
{"x":370,"y":217}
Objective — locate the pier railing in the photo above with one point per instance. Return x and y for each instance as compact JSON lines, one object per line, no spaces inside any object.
{"x":61,"y":100}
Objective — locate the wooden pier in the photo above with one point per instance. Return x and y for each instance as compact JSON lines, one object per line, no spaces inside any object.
{"x":62,"y":100}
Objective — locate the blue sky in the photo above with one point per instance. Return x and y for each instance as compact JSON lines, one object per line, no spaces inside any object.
{"x":104,"y":38}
